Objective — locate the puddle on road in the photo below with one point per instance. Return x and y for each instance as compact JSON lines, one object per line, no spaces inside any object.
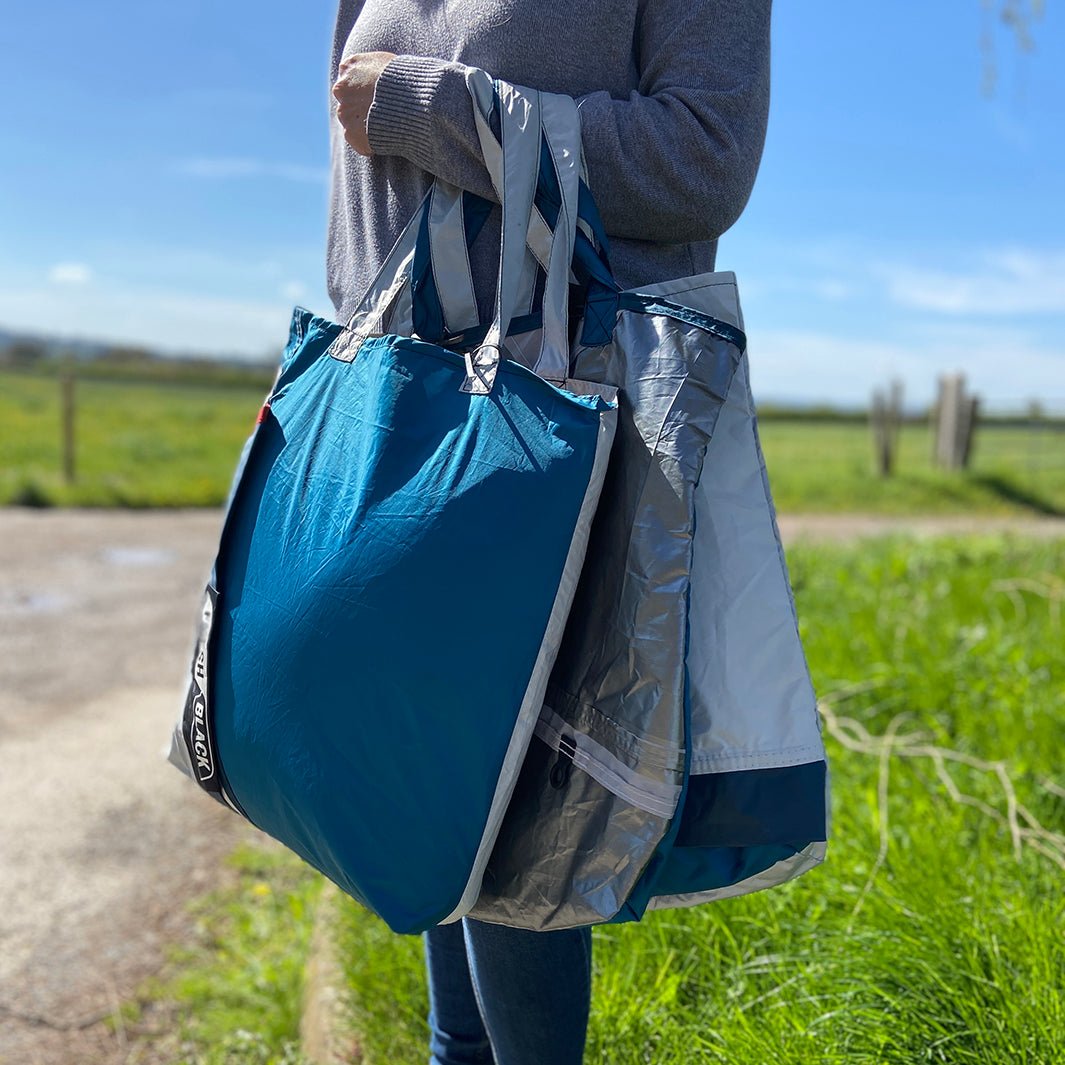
{"x":40,"y":602}
{"x":137,"y":556}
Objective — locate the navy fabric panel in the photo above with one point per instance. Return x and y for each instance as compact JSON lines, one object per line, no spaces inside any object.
{"x":754,"y":806}
{"x":548,"y":198}
{"x":428,"y":316}
{"x":385,"y":579}
{"x":475,"y":212}
{"x":636,"y":301}
{"x":599,"y":292}
{"x":692,"y":869}
{"x":471,"y":338}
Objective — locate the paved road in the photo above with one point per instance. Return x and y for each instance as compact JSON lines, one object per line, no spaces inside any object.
{"x":101,"y":842}
{"x":842,"y":527}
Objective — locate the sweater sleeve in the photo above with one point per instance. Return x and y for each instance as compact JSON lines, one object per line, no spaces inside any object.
{"x":673,"y":162}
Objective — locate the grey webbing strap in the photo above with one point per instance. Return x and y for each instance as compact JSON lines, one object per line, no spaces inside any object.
{"x":539,"y":235}
{"x":560,"y":125}
{"x":514,"y":167}
{"x":519,"y":165}
{"x":450,"y":258}
{"x":375,"y":314}
{"x":562,"y":130}
{"x":396,"y":267}
{"x":451,"y":263}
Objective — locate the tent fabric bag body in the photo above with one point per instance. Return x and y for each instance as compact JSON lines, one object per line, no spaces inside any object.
{"x":401,"y":548}
{"x":679,"y":757}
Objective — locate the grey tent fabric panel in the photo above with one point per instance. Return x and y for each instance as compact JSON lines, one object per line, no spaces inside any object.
{"x":571,"y":850}
{"x":748,"y":674}
{"x":747,"y":713}
{"x":714,"y":294}
{"x":565,"y":857}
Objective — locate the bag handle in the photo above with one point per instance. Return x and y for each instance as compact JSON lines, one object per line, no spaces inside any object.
{"x":426,"y":277}
{"x":444,"y":302}
{"x":518,"y":167}
{"x":552,"y":235}
{"x":562,"y":131}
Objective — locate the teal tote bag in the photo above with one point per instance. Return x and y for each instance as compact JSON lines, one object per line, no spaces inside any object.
{"x":400,"y":551}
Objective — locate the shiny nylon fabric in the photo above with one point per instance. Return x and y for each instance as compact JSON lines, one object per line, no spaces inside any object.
{"x":681,"y":655}
{"x":400,"y":552}
{"x":679,"y":717}
{"x":679,"y":714}
{"x":349,"y":707}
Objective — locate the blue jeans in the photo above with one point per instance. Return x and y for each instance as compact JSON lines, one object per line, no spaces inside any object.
{"x":507,"y":996}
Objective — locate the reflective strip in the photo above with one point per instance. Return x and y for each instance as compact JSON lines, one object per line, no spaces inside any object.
{"x":450,"y":261}
{"x":520,"y":142}
{"x":604,"y":768}
{"x":396,"y":267}
{"x":562,"y":130}
{"x":545,"y":660}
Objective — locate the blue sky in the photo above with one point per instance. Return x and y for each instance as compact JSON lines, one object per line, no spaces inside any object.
{"x":163,"y":176}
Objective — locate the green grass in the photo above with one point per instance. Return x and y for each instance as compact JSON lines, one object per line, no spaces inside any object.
{"x":158,"y":443}
{"x":948,"y":949}
{"x":235,"y":992}
{"x":826,"y":466}
{"x":138,"y":445}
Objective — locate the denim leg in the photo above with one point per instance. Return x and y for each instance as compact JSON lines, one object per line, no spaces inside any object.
{"x":457,"y":1034}
{"x":534,"y":990}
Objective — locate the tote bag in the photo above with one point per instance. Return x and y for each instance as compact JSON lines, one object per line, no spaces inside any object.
{"x":400,"y":551}
{"x":678,"y":758}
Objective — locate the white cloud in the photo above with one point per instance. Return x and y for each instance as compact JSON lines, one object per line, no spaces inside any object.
{"x":833,"y":290}
{"x":70,"y":274}
{"x":1010,"y":282}
{"x":294,"y":290}
{"x":241,"y":167}
{"x":162,"y":319}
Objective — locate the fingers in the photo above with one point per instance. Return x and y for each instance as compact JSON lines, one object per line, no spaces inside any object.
{"x":354,"y":91}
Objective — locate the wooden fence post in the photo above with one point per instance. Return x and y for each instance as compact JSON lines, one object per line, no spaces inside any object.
{"x":886,"y":419}
{"x":954,"y":423}
{"x":66,"y":387}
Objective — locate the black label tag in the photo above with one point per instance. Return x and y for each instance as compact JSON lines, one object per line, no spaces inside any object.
{"x":197,"y":723}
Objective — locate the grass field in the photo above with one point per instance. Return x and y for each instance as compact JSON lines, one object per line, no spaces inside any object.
{"x":934,"y":931}
{"x":825,"y":466}
{"x":138,"y":445}
{"x":233,"y":995}
{"x":932,"y":934}
{"x":160,"y":444}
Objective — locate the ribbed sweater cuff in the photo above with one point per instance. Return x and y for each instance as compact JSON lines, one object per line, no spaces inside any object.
{"x":400,"y":119}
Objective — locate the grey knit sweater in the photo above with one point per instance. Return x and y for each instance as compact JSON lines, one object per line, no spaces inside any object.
{"x":673,"y":98}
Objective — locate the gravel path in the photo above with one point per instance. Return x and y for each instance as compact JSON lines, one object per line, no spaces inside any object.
{"x":842,"y":527}
{"x":101,"y":842}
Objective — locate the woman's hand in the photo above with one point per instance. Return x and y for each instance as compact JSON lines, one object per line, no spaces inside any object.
{"x":354,"y":89}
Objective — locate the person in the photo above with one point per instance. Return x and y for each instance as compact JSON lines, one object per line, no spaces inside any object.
{"x":673,"y":99}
